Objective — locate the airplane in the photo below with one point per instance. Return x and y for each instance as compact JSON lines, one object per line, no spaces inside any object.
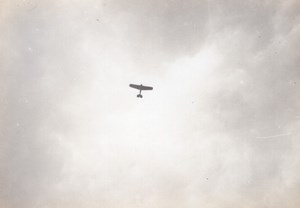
{"x":140,"y":88}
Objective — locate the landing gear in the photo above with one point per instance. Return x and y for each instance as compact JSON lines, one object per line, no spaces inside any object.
{"x":139,"y":96}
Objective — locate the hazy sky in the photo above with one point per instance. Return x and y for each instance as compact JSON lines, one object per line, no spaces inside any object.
{"x":221,"y":128}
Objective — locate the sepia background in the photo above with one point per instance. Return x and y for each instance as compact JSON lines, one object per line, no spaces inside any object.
{"x":219,"y":130}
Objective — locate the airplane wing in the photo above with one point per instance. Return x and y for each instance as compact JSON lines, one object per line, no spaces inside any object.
{"x":146,"y":88}
{"x":140,"y":87}
{"x":135,"y":86}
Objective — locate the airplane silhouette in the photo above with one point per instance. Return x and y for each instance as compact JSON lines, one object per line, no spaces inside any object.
{"x":140,"y":88}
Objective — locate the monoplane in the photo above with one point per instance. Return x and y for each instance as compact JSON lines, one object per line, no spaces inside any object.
{"x":140,"y":88}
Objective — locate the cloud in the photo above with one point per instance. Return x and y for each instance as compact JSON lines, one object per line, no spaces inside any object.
{"x":220,"y":128}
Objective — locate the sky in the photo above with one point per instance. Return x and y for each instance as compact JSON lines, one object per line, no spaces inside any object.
{"x":220,"y":129}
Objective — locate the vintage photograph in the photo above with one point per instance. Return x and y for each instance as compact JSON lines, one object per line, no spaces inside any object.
{"x":149,"y":103}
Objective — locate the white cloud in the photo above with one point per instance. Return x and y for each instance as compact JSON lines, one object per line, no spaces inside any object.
{"x":74,"y":134}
